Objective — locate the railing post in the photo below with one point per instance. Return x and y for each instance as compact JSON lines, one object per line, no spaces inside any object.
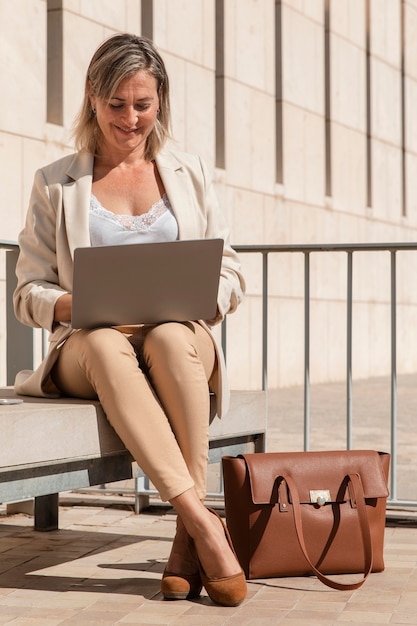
{"x":19,"y":355}
{"x":306,"y":350}
{"x":265,"y":321}
{"x":349,"y":353}
{"x":393,"y":493}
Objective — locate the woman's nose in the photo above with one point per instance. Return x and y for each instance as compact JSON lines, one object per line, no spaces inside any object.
{"x":130,"y":116}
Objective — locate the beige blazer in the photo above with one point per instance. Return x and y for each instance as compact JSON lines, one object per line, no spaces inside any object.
{"x":58,"y":222}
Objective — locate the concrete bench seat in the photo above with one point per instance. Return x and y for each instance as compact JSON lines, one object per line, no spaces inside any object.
{"x":52,"y":446}
{"x":55,"y":445}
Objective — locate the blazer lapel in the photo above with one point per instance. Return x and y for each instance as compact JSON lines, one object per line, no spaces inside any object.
{"x":177,"y":186}
{"x":76,"y":201}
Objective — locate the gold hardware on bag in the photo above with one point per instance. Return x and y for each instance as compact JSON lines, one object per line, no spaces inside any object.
{"x":319,"y":496}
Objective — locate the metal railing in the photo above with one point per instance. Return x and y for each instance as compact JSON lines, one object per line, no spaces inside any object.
{"x":20,"y":346}
{"x":349,"y":249}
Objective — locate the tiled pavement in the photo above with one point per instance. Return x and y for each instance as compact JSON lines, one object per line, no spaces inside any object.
{"x":104,"y":564}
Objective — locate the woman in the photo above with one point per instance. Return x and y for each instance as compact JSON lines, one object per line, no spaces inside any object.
{"x":152,"y":381}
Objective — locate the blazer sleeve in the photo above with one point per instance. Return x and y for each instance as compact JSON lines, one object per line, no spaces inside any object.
{"x":232,"y":284}
{"x":38,"y":285}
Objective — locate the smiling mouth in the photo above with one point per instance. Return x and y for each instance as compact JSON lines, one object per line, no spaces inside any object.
{"x":127,"y":131}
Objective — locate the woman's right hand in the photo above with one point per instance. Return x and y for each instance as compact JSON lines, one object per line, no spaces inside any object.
{"x":63,"y":308}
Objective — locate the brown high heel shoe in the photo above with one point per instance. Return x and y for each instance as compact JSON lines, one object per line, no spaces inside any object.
{"x":230,"y":590}
{"x":176,"y":585}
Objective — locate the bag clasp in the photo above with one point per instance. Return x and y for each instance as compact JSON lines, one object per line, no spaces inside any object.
{"x":319,"y":496}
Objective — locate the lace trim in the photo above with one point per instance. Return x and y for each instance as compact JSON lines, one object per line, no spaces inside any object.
{"x":140,"y":223}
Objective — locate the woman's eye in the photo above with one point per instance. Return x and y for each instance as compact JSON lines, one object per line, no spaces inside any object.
{"x":138,"y":107}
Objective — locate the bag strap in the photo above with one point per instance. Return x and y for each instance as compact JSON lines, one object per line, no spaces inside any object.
{"x":359,"y":498}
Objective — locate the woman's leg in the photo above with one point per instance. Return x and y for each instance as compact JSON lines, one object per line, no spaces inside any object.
{"x":103,"y":363}
{"x":179,"y":359}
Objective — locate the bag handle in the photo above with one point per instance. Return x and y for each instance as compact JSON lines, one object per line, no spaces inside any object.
{"x":359,"y":498}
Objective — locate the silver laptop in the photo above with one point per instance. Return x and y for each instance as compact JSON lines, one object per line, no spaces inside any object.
{"x":146,"y":283}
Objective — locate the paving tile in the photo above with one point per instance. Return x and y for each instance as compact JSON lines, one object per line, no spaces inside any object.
{"x":404,"y":618}
{"x":363,"y":618}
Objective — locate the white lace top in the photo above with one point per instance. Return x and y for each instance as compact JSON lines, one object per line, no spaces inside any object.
{"x":108,"y":228}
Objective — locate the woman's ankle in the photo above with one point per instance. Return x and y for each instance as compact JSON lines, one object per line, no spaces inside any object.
{"x":208,"y":532}
{"x":183,"y":557}
{"x":215,"y":554}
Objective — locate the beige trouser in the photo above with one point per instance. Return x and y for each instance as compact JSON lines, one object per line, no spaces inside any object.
{"x":153,"y":386}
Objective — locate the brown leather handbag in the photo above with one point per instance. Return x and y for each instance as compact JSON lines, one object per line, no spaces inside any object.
{"x":304,"y":513}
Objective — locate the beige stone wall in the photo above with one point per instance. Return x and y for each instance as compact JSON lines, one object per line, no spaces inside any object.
{"x":274,"y":62}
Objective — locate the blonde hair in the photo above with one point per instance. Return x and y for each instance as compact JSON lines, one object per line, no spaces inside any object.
{"x":120,"y":57}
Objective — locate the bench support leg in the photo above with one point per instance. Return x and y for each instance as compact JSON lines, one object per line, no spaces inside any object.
{"x":259,"y":443}
{"x":141,"y":499}
{"x":46,"y":512}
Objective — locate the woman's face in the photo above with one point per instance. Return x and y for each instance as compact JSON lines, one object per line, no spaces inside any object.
{"x":128,"y":118}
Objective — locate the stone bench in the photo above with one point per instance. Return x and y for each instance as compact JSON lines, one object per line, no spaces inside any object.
{"x":52,"y":446}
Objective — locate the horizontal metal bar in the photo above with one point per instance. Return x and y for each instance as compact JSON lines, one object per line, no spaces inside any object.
{"x":331,"y":247}
{"x":315,"y":247}
{"x":402,"y":503}
{"x":8,"y":245}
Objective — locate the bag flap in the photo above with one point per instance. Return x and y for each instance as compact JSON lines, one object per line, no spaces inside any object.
{"x":318,"y":471}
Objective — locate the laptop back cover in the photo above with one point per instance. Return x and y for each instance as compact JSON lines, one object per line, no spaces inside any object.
{"x":146,"y":283}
